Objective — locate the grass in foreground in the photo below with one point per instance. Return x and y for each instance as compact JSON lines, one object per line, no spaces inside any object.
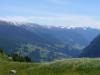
{"x":81,"y":66}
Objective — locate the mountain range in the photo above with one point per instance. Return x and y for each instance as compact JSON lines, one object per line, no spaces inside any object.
{"x":43,"y":43}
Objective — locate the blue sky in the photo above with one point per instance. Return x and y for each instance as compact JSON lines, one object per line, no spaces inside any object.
{"x":52,"y":12}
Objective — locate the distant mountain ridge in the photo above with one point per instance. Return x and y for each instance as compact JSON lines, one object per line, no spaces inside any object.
{"x":44,"y":43}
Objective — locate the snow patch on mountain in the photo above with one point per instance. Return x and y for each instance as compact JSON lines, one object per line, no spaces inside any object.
{"x":32,"y":25}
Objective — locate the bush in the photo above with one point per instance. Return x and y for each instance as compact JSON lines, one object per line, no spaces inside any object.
{"x":1,"y":50}
{"x":20,"y":58}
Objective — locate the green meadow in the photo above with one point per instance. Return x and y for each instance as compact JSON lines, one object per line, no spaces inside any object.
{"x":74,"y":66}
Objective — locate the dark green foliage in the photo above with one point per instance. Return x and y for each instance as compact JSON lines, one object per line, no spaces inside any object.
{"x":20,"y":58}
{"x":1,"y":50}
{"x":27,"y":59}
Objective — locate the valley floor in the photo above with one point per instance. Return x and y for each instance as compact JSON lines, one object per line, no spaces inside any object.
{"x":83,"y":66}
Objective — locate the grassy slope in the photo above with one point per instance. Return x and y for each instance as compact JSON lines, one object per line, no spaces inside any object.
{"x":3,"y":57}
{"x":63,"y":67}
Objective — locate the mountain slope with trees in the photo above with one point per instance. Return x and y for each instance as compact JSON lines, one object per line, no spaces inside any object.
{"x":93,"y":50}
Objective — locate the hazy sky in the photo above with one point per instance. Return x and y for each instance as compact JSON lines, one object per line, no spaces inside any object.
{"x":52,"y":12}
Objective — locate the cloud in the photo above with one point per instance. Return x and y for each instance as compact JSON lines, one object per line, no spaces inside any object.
{"x":16,"y":18}
{"x":62,"y":20}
